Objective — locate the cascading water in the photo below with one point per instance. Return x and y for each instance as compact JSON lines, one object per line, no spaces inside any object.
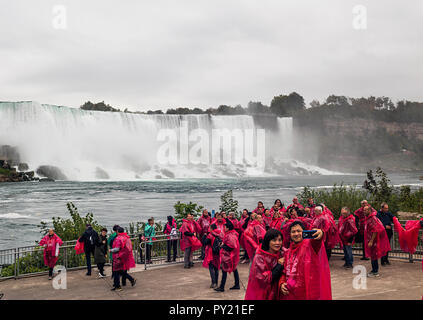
{"x":91,"y":145}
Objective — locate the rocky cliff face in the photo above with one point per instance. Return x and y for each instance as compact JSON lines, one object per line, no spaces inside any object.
{"x":358,"y":145}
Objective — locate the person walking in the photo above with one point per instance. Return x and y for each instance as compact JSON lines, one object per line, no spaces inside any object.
{"x":51,"y":243}
{"x":347,"y":230}
{"x":100,"y":252}
{"x":90,"y":238}
{"x":189,"y":242}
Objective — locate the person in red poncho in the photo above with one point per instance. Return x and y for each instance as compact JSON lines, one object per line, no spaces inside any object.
{"x":377,"y":243}
{"x":242,"y":226}
{"x":234,"y":220}
{"x":220,"y":222}
{"x":229,"y":257}
{"x":189,"y":241}
{"x":51,"y":243}
{"x":306,"y":274}
{"x":123,"y":259}
{"x":310,"y":205}
{"x":254,"y":234}
{"x":204,"y":223}
{"x":324,"y":221}
{"x":361,"y":217}
{"x":260,"y":208}
{"x":277,"y":220}
{"x":347,"y":230}
{"x":278,"y":206}
{"x":212,"y":254}
{"x":266,"y":268}
{"x":295,"y":204}
{"x":267,"y":219}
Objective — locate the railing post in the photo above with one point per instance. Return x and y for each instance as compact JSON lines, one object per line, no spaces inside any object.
{"x":65,"y":259}
{"x":410,"y":258}
{"x":14,"y":254}
{"x":145,"y":255}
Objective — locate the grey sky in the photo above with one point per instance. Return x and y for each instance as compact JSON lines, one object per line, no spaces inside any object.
{"x":159,"y":54}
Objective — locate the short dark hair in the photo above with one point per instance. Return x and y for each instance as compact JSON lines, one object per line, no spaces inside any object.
{"x":120,"y":230}
{"x":104,"y":229}
{"x":296,"y":223}
{"x":115,"y":227}
{"x":270,"y":235}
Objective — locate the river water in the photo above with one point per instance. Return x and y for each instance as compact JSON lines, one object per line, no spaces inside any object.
{"x":24,"y":205}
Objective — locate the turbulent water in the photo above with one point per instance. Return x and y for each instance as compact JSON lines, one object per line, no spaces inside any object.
{"x":24,"y":205}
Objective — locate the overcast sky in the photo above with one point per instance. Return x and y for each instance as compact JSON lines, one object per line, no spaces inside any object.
{"x":159,"y":54}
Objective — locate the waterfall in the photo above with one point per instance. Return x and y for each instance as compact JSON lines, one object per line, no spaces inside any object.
{"x":90,"y":145}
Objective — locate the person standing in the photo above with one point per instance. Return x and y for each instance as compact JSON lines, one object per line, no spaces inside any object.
{"x":204,"y":223}
{"x":90,"y":238}
{"x":51,"y":243}
{"x":172,"y":239}
{"x":347,"y":230}
{"x":123,"y":259}
{"x":306,"y":274}
{"x":377,"y":244}
{"x":149,"y":233}
{"x":387,"y":219}
{"x":266,"y":268}
{"x":212,"y":256}
{"x":361,"y":217}
{"x":189,"y":242}
{"x":295,"y":204}
{"x":100,"y":252}
{"x":229,"y":257}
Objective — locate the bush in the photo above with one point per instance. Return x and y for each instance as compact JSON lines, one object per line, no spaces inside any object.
{"x":228,"y":203}
{"x":182,"y":210}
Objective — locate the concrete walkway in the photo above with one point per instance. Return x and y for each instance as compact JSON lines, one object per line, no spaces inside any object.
{"x":400,"y":280}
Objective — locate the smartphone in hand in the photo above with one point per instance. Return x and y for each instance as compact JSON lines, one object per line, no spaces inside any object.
{"x":309,"y":234}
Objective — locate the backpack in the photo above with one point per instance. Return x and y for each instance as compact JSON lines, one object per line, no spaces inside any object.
{"x":216,"y":245}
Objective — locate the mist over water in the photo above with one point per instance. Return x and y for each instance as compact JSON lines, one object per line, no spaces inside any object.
{"x":95,"y":145}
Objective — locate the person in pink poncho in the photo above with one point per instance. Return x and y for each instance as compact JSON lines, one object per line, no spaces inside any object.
{"x":359,"y":238}
{"x":229,"y":257}
{"x":267,"y":219}
{"x":323,"y":220}
{"x":310,"y":205}
{"x":278,"y":206}
{"x":277,"y":220}
{"x":266,"y":268}
{"x":189,"y":242}
{"x":295,"y":204}
{"x":212,"y":254}
{"x":51,"y":243}
{"x":242,"y":226}
{"x":254,"y":234}
{"x":234,"y":220}
{"x":204,"y":223}
{"x":220,"y":222}
{"x":347,"y":230}
{"x":123,"y":259}
{"x":260,"y":208}
{"x":306,"y":274}
{"x":377,"y":243}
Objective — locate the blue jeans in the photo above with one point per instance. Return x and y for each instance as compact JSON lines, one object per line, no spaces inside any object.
{"x":348,"y":255}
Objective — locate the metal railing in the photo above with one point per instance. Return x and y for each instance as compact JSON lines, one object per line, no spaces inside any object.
{"x":28,"y":261}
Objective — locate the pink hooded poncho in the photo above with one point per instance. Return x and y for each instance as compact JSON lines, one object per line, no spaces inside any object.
{"x":209,"y":256}
{"x":51,"y":251}
{"x":347,"y":228}
{"x":124,"y":258}
{"x":229,"y":259}
{"x":252,"y":236}
{"x":381,"y":244}
{"x":189,"y":241}
{"x":260,"y":285}
{"x":306,"y":272}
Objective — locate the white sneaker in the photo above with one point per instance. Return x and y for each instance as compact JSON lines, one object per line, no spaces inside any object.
{"x":101,"y":276}
{"x":373,"y":274}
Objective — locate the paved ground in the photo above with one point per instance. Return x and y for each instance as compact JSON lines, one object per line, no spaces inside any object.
{"x":400,"y":280}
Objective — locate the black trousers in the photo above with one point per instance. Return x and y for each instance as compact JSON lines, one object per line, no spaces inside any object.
{"x":88,"y":259}
{"x":172,"y":244}
{"x":118,"y":274}
{"x":214,"y":273}
{"x":328,"y":253}
{"x":225,"y":275}
{"x":50,"y":272}
{"x":100,"y":267}
{"x":148,"y":247}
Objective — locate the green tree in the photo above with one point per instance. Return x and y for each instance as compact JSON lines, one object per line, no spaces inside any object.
{"x":182,"y":210}
{"x":227,"y":203}
{"x":287,"y":105}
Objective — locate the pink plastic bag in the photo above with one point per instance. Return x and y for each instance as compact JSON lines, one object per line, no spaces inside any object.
{"x":79,"y":247}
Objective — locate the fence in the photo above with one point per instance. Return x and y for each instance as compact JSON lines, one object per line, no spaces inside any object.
{"x":28,"y":261}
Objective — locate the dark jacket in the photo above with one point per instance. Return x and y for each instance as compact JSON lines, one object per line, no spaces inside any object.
{"x":90,"y":238}
{"x":100,"y":250}
{"x":387,"y":219}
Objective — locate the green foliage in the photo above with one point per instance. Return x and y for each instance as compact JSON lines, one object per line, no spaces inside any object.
{"x":378,"y":186}
{"x":182,"y":210}
{"x":336,"y":198}
{"x":287,"y":105}
{"x":100,"y":106}
{"x":138,"y":227}
{"x":73,"y":228}
{"x":5,"y":172}
{"x":227,"y":203}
